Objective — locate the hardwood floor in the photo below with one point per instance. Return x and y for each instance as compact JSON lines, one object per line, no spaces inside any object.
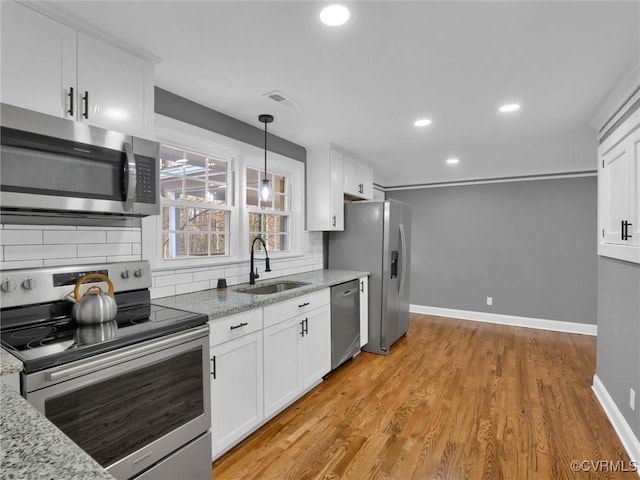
{"x":453,"y":400}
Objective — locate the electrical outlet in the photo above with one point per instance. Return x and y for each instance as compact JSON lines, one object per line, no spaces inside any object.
{"x":632,"y":399}
{"x":489,"y":300}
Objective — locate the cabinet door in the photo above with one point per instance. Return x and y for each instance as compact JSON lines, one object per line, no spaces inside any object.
{"x":352,"y":177}
{"x":38,"y":61}
{"x":236,"y":390}
{"x":119,"y":87}
{"x":358,"y":179}
{"x":337,"y":194}
{"x":316,"y":345}
{"x":634,"y":190}
{"x":364,"y":311}
{"x":282,"y":365}
{"x":366,"y":176}
{"x":616,"y":182}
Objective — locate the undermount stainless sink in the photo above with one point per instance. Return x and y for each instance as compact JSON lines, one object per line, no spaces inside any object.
{"x":271,"y":288}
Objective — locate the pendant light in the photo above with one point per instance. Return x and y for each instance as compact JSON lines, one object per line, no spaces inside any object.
{"x":265,"y":188}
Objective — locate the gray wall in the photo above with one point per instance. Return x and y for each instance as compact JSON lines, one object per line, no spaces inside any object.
{"x":179,"y":108}
{"x":530,"y":245}
{"x":618,"y":362}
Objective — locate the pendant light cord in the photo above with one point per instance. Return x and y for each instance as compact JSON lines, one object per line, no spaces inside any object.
{"x":265,"y":150}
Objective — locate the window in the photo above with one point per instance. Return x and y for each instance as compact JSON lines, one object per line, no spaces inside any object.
{"x":269,"y":220}
{"x":210,"y":207}
{"x":195,"y":215}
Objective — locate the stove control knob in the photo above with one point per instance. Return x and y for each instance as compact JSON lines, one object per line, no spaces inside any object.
{"x":29,"y":284}
{"x":8,"y":286}
{"x":125,"y":274}
{"x":137,"y":272}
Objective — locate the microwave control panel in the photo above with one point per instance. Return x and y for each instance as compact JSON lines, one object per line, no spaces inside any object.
{"x":145,"y":179}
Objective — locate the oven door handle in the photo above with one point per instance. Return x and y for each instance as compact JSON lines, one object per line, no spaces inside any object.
{"x":113,"y":358}
{"x":130,"y":177}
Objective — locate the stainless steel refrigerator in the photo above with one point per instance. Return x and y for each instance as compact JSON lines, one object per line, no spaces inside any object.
{"x":377,"y":239}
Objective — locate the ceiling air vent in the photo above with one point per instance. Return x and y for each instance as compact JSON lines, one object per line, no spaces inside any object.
{"x":281,"y":99}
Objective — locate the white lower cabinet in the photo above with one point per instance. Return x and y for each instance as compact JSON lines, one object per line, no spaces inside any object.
{"x":256,"y":371}
{"x":237,"y":386}
{"x":316,"y":346}
{"x":297,"y":354}
{"x":282,"y":364}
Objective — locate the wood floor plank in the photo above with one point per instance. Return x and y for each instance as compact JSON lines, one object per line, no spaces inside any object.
{"x":453,"y":400}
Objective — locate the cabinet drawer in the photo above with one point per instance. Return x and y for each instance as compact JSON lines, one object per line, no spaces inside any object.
{"x":293,"y":307}
{"x":227,"y":328}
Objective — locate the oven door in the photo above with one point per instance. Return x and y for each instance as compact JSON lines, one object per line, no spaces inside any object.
{"x":132,"y":407}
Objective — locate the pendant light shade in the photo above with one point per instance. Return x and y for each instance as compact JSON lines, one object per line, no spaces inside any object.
{"x":265,"y":187}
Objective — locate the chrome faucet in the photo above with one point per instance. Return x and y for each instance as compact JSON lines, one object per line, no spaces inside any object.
{"x":267,"y":267}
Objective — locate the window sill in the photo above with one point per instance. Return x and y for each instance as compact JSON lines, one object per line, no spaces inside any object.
{"x":197,"y":263}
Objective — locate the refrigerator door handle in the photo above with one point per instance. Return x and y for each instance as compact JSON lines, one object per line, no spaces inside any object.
{"x":403,"y":241}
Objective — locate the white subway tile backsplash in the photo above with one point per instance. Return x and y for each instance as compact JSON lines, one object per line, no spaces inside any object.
{"x":21,"y":237}
{"x":34,"y":246}
{"x":74,"y":236}
{"x":209,"y":275}
{"x":107,"y":249}
{"x":37,"y":227}
{"x":192,"y":287}
{"x":40,"y":252}
{"x":56,"y":262}
{"x":21,"y":264}
{"x":159,"y":292}
{"x":164,"y":280}
{"x":123,"y":258}
{"x":232,"y":271}
{"x":123,"y":236}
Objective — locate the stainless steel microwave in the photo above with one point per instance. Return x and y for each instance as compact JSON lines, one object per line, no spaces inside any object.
{"x":51,"y":166}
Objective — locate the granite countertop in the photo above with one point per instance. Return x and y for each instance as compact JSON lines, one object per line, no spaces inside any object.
{"x":32,"y":447}
{"x":8,"y":363}
{"x":221,"y":303}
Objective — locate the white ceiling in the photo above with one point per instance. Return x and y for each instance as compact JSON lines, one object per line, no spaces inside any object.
{"x":363,"y":84}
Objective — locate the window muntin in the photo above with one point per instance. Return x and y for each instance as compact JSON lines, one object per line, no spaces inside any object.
{"x":194,"y":193}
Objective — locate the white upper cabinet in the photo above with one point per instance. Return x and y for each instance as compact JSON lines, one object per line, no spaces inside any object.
{"x":119,"y":87}
{"x":38,"y":61}
{"x":325,"y":198}
{"x":52,"y":68}
{"x":358,"y":179}
{"x":332,"y":176}
{"x":619,"y":190}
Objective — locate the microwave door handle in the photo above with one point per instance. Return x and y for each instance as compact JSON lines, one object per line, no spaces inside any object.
{"x":130,"y":177}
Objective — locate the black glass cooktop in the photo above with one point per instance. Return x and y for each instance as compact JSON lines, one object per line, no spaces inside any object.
{"x":52,"y":341}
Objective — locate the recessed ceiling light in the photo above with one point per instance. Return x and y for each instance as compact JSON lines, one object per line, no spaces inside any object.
{"x":511,"y":107}
{"x":423,"y":122}
{"x":334,"y":15}
{"x":452,"y":161}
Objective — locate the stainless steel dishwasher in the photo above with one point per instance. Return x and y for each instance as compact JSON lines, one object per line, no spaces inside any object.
{"x":345,"y":322}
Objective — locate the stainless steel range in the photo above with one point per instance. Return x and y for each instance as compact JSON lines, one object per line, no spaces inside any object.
{"x":133,"y":392}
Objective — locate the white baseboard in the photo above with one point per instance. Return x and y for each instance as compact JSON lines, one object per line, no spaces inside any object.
{"x":629,"y":441}
{"x":539,"y":323}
